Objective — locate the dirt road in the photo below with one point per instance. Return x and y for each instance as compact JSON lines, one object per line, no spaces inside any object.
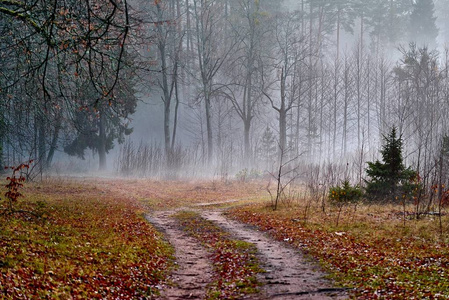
{"x":193,"y":272}
{"x":288,"y":274}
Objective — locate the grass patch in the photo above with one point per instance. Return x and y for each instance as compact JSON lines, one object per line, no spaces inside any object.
{"x":370,"y":250}
{"x":88,"y":244}
{"x":235,"y":263}
{"x":161,"y":195}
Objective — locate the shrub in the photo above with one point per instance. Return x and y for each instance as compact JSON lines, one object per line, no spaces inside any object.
{"x":245,"y":175}
{"x":345,"y":194}
{"x":15,"y":183}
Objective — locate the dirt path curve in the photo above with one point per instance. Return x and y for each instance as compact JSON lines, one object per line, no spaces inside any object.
{"x":288,"y":276}
{"x":194,"y":270}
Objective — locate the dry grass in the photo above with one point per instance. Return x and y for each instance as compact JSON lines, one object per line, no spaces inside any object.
{"x":370,"y":250}
{"x":160,"y":195}
{"x":88,"y":243}
{"x":93,"y":230}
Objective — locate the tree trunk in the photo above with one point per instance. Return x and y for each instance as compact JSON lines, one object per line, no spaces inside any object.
{"x":166,"y":97}
{"x":2,"y":137}
{"x":42,"y":149}
{"x":345,"y":107}
{"x":247,"y":147}
{"x":335,"y":108}
{"x":247,"y":114}
{"x":54,"y":142}
{"x":359,"y":94}
{"x":102,"y":142}
{"x":175,"y":117}
{"x":209,"y":129}
{"x":282,"y":118}
{"x":338,"y":32}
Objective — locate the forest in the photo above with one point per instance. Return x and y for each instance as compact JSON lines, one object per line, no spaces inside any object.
{"x":230,"y":84}
{"x":136,"y":123}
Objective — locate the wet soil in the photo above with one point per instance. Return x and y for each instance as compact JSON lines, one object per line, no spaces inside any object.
{"x":288,"y":274}
{"x":193,"y":271}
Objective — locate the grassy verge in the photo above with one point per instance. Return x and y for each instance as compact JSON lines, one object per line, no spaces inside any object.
{"x":160,"y":195}
{"x":88,"y":244}
{"x":234,"y":261}
{"x":370,"y":250}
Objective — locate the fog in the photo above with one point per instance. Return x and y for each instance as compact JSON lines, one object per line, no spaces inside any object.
{"x":224,"y":88}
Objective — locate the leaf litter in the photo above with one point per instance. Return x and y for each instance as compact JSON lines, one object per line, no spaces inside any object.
{"x":287,"y":274}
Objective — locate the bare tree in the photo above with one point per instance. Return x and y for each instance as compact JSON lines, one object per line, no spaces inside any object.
{"x":289,"y":53}
{"x":243,"y":69}
{"x":212,"y":47}
{"x":165,"y":28}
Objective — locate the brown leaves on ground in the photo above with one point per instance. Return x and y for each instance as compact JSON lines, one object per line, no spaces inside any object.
{"x":383,"y":266}
{"x":92,"y":242}
{"x":89,"y":244}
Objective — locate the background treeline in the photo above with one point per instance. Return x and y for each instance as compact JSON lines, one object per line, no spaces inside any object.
{"x":238,"y":84}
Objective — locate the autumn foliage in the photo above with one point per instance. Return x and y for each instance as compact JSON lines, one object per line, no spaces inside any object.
{"x":15,"y":183}
{"x":380,"y":262}
{"x":88,"y":244}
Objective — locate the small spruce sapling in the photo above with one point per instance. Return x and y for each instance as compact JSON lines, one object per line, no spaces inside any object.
{"x":344,"y":194}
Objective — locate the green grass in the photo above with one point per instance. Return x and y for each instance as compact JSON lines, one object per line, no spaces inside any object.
{"x":87,"y":243}
{"x":235,"y":263}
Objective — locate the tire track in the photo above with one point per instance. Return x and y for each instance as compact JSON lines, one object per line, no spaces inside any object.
{"x":288,"y":274}
{"x":194,"y":270}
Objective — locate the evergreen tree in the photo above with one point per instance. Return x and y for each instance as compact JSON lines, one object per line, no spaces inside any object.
{"x":98,"y":128}
{"x":390,"y":178}
{"x":441,"y":12}
{"x":386,"y":20}
{"x":423,"y":29}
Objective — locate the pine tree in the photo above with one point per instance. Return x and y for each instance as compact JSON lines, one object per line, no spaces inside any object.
{"x":387,"y":20}
{"x":441,"y":12}
{"x":422,"y":27}
{"x":390,"y":178}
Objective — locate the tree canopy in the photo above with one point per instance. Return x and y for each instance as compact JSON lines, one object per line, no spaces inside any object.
{"x":52,"y":52}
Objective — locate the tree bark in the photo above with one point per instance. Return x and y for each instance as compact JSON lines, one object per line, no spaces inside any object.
{"x":42,"y":149}
{"x":54,"y":142}
{"x":102,"y":142}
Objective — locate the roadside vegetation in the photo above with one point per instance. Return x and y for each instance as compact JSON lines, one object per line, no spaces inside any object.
{"x":81,"y":242}
{"x":370,"y":250}
{"x":387,"y":238}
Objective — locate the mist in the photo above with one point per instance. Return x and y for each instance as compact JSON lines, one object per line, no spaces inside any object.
{"x":224,"y":88}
